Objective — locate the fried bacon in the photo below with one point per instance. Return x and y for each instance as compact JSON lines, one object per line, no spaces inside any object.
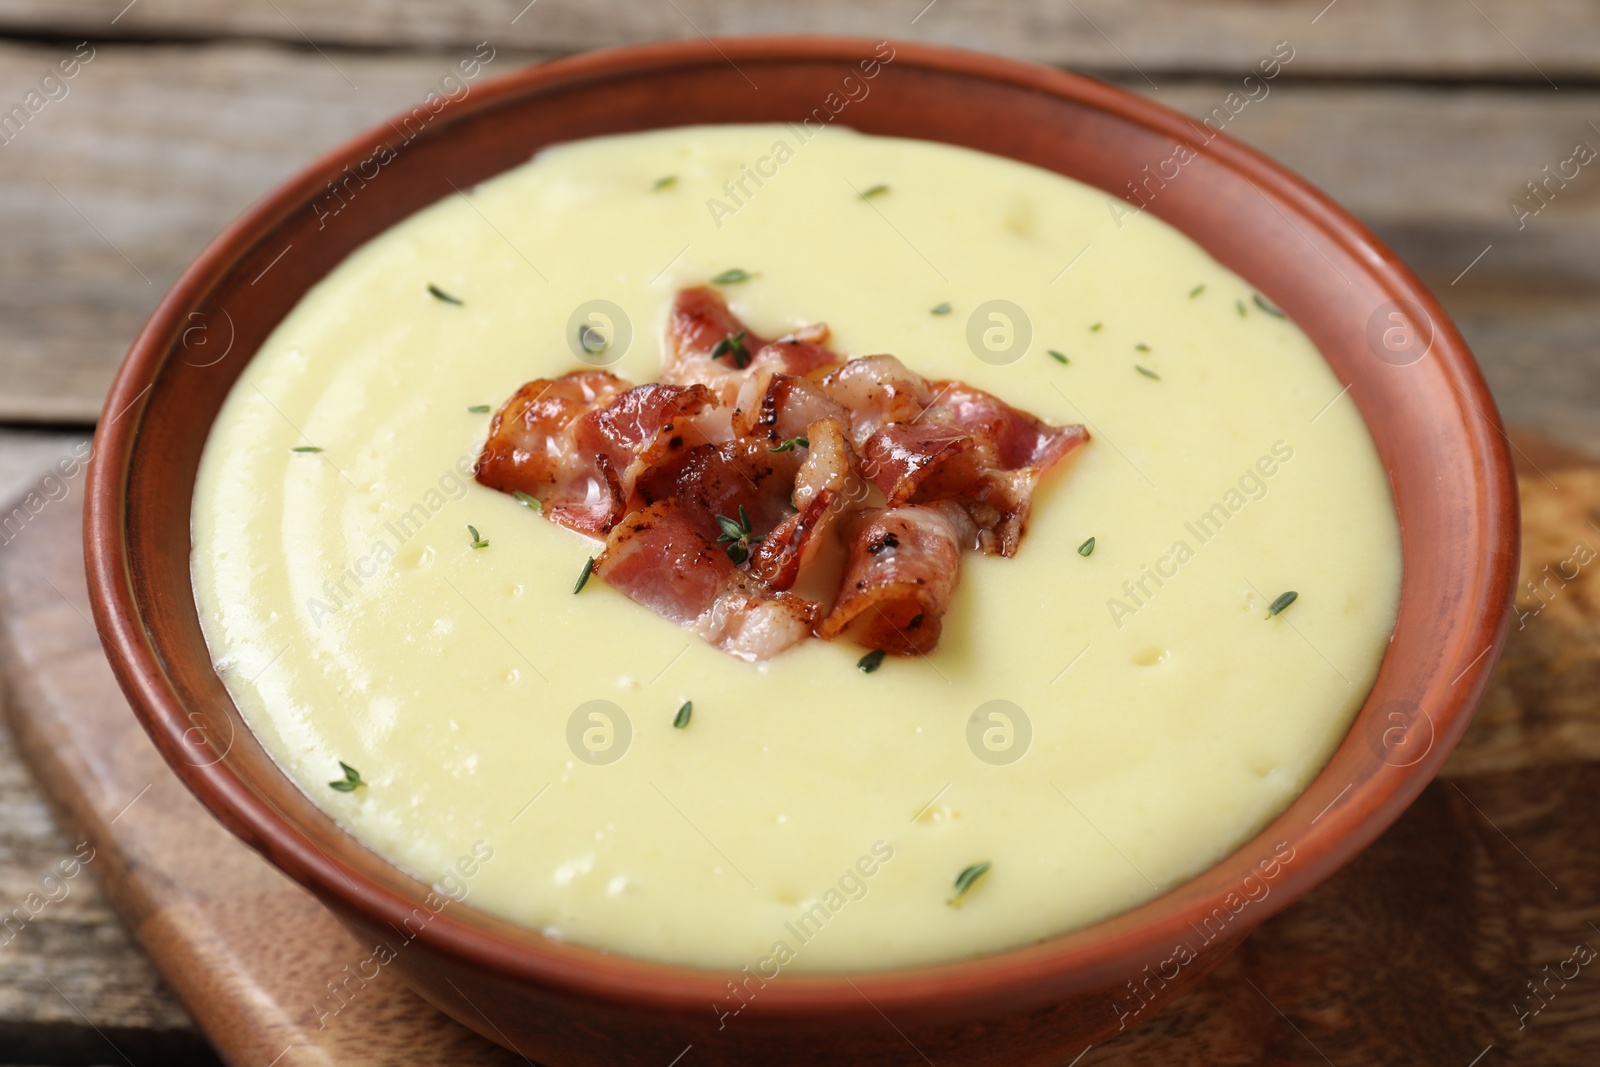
{"x":877,"y":390}
{"x":706,"y":344}
{"x":666,"y":557}
{"x":969,"y":446}
{"x":531,"y":449}
{"x":756,"y":467}
{"x":580,"y":443}
{"x":901,"y":571}
{"x":721,"y":479}
{"x":821,"y":493}
{"x":783,"y":408}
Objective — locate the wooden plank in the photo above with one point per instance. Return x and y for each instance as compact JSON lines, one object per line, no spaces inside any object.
{"x":109,"y":192}
{"x":74,"y":987}
{"x":26,"y":453}
{"x":1418,"y":951}
{"x":106,"y":194}
{"x":1414,"y":38}
{"x":1541,"y":354}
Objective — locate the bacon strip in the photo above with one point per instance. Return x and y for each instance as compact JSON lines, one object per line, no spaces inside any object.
{"x":996,"y":479}
{"x":1020,"y":440}
{"x":700,"y":321}
{"x":902,"y":570}
{"x":666,"y":558}
{"x":721,"y":479}
{"x":901,"y":456}
{"x":821,"y":493}
{"x":783,"y":408}
{"x":531,"y":449}
{"x":877,"y":390}
{"x":758,"y":467}
{"x":579,"y":443}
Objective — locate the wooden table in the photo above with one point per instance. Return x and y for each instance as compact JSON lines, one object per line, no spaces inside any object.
{"x":1427,"y":118}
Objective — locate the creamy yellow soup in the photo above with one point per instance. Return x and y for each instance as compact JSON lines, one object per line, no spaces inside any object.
{"x":1098,"y":724}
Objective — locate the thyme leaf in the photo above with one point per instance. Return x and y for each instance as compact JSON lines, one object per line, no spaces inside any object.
{"x":965,"y":881}
{"x":738,"y":535}
{"x":732,"y":345}
{"x":1261,"y":302}
{"x":592,"y":340}
{"x":351,"y":780}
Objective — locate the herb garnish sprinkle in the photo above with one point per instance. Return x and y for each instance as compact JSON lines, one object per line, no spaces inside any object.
{"x":1197,"y":290}
{"x":1283,"y":601}
{"x":942,"y":309}
{"x":738,"y":535}
{"x":1086,"y":548}
{"x":666,"y":181}
{"x":583,"y":575}
{"x":876,"y":190}
{"x":682,"y":718}
{"x":527,"y":500}
{"x":1058,"y":356}
{"x":351,"y":780}
{"x":477,"y":539}
{"x":791,"y":444}
{"x":305,"y":448}
{"x":732,"y":345}
{"x":1147,"y":372}
{"x":442,"y":295}
{"x":480,"y":409}
{"x":965,"y":881}
{"x":592,"y":340}
{"x":871,"y":661}
{"x":732,"y":276}
{"x":1261,"y":302}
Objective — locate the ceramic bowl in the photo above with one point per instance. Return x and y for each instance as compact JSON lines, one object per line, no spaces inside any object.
{"x":1408,"y":370}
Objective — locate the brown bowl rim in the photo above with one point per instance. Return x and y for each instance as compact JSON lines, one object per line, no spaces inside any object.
{"x":1037,"y":973}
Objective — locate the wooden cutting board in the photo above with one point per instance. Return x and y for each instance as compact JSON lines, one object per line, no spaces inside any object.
{"x":1460,"y":937}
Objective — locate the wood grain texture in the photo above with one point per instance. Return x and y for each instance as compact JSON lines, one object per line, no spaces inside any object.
{"x":1421,"y":950}
{"x":74,"y":986}
{"x":1541,"y":707}
{"x":107,"y":194}
{"x":1418,"y":38}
